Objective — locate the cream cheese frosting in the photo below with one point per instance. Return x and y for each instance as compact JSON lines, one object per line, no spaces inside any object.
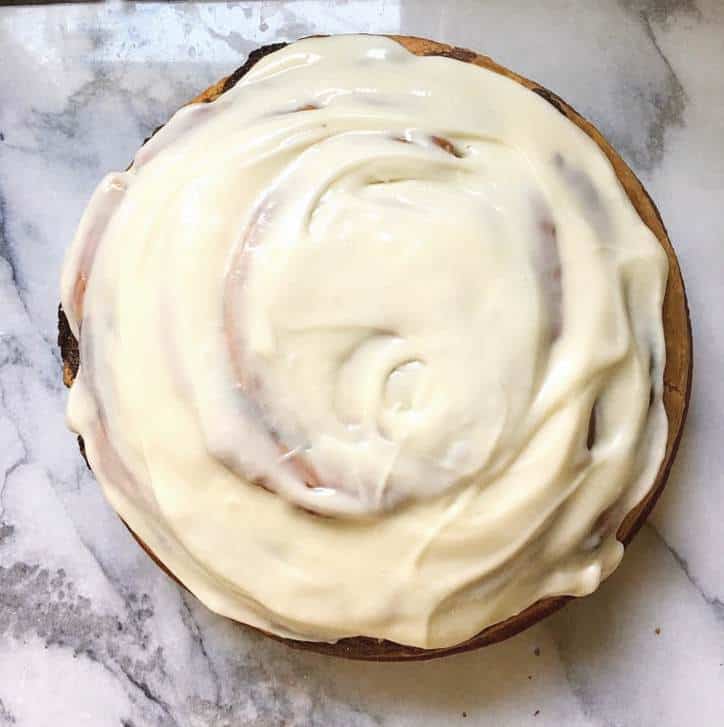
{"x":370,"y":345}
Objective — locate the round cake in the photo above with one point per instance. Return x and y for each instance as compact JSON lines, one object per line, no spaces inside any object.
{"x":377,"y":347}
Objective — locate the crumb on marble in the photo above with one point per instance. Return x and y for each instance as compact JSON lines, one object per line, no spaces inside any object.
{"x":657,"y":630}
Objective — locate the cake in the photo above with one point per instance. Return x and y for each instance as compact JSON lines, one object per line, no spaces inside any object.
{"x":377,"y":347}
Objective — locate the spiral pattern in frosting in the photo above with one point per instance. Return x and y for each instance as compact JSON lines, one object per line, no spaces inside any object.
{"x":403,"y":293}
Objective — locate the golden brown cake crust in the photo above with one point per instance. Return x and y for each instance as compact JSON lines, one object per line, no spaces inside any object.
{"x":677,"y":374}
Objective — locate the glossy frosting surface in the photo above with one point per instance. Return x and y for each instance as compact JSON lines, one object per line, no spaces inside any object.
{"x":371,"y":345}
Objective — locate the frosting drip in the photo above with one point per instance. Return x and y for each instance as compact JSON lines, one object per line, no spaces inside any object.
{"x":401,"y":293}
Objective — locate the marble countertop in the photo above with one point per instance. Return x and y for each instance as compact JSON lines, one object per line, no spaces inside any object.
{"x":92,"y":633}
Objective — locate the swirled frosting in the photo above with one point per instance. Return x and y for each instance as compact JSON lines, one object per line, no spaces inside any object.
{"x":370,"y":345}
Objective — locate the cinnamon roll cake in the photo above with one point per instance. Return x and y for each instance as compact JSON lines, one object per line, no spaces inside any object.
{"x":370,"y":346}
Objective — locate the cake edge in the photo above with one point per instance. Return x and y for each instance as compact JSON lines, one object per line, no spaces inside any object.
{"x":677,"y":373}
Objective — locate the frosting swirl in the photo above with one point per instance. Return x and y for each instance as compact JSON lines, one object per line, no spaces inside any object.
{"x":402,"y":293}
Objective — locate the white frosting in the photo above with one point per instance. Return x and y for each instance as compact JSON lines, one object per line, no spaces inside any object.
{"x":390,"y":290}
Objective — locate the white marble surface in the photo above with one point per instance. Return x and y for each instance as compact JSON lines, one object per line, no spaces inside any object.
{"x":91,"y":633}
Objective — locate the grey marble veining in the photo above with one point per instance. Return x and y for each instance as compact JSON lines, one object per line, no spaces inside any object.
{"x":92,"y":633}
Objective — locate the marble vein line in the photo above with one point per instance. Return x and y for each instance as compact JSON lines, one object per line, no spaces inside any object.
{"x":196,"y":634}
{"x":7,"y":529}
{"x":578,"y":690}
{"x":149,"y":694}
{"x":716,"y":603}
{"x":670,"y":107}
{"x":6,"y":254}
{"x":6,"y":716}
